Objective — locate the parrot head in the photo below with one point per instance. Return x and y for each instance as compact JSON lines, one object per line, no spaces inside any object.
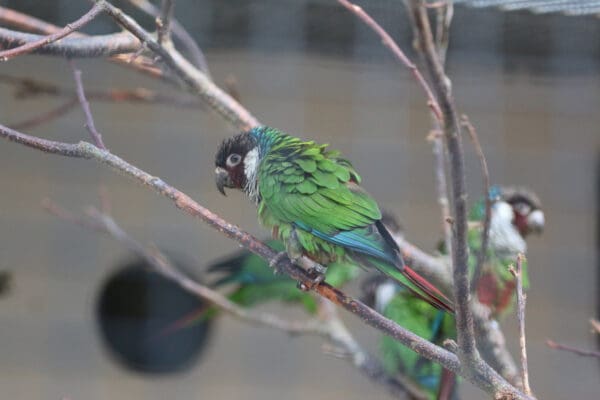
{"x":236,"y":163}
{"x":521,"y":206}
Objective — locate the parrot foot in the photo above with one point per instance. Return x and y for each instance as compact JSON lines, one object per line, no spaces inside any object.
{"x":315,"y":270}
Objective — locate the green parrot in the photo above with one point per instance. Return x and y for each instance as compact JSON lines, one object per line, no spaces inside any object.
{"x":310,"y":198}
{"x":401,"y":306}
{"x":516,"y":213}
{"x":251,"y":282}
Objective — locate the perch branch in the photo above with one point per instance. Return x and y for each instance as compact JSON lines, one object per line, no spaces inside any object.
{"x":85,"y":105}
{"x":485,"y":233}
{"x":329,"y":327}
{"x":521,"y":299}
{"x":68,"y":29}
{"x":182,"y":201}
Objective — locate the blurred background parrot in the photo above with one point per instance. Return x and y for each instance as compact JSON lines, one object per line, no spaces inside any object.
{"x":515,"y":214}
{"x":310,"y":198}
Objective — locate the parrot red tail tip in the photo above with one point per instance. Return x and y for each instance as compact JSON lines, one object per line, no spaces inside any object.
{"x":434,"y":295}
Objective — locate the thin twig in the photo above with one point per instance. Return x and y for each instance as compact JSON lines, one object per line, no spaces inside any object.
{"x":388,"y":42}
{"x":485,"y":232}
{"x":164,"y":21}
{"x":100,"y":222}
{"x":580,"y":352}
{"x":119,"y":43}
{"x":69,"y":28}
{"x":85,"y":105}
{"x":179,"y":32}
{"x":521,"y":300}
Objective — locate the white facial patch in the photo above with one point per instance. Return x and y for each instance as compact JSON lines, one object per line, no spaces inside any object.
{"x":505,"y":239}
{"x":251,"y":162}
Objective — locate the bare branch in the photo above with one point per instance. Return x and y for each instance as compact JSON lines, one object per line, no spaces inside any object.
{"x":180,"y":33}
{"x":451,"y":128}
{"x":31,"y":46}
{"x":194,"y":79}
{"x":580,"y":352}
{"x":485,"y":232}
{"x":85,"y":105}
{"x":521,"y":299}
{"x":75,"y":47}
{"x":28,"y":23}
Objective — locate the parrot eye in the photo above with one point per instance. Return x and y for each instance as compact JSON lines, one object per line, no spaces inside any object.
{"x":233,"y":160}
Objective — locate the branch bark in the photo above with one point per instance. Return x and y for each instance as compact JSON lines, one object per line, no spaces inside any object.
{"x":518,"y":274}
{"x":44,"y":41}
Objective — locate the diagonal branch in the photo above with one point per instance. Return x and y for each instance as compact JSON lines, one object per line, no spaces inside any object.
{"x":68,"y":29}
{"x":195,"y":80}
{"x":179,"y":32}
{"x":185,"y":203}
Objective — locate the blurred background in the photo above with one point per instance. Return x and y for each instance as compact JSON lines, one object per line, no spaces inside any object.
{"x":529,"y":83}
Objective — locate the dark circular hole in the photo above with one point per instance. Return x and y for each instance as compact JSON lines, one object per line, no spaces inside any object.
{"x":136,"y":308}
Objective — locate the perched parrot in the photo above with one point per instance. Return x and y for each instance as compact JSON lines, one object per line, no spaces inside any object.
{"x":516,"y":213}
{"x":310,"y":198}
{"x":401,"y":306}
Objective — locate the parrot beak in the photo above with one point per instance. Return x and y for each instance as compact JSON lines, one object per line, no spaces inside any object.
{"x":222,"y":180}
{"x":536,"y":221}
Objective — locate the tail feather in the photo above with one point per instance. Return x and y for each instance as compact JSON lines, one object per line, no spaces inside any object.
{"x":433,"y":294}
{"x":447,"y":384}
